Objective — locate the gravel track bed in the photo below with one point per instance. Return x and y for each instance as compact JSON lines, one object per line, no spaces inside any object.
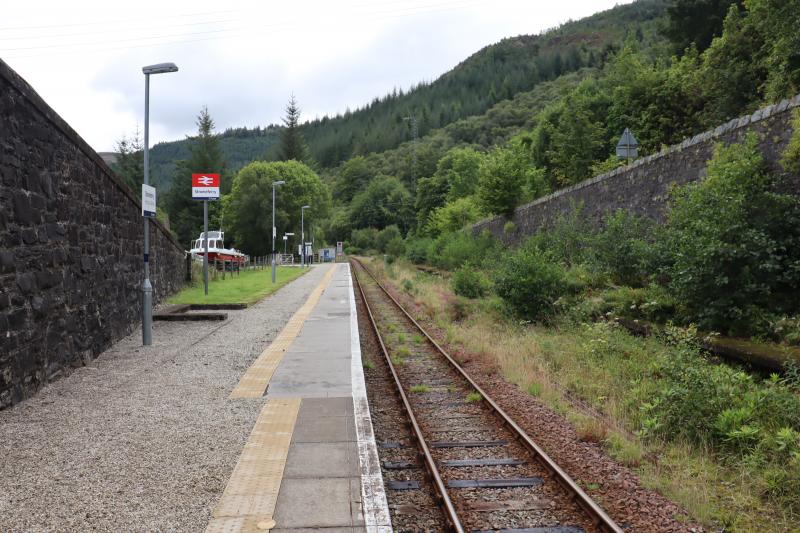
{"x":438,"y":394}
{"x":620,"y":492}
{"x":411,"y":510}
{"x":141,"y":439}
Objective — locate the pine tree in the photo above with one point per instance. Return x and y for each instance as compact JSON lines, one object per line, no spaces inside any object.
{"x":130,"y":160}
{"x":293,"y":146}
{"x":186,"y":214}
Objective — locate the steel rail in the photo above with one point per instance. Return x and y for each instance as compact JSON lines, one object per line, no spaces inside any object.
{"x":430,"y":464}
{"x":600,"y":518}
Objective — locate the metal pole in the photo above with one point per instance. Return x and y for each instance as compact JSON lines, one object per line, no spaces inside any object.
{"x":205,"y":245}
{"x":147,"y":287}
{"x":273,"y":233}
{"x":302,"y":238}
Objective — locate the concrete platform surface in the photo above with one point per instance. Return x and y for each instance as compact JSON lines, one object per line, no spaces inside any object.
{"x":331,"y":477}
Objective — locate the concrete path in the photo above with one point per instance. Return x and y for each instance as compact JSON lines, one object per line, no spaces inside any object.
{"x":329,"y":475}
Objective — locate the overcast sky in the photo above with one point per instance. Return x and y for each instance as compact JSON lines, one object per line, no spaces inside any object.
{"x":244,"y":58}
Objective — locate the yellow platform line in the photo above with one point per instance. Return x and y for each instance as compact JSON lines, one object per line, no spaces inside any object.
{"x":248,"y":502}
{"x":254,"y":382}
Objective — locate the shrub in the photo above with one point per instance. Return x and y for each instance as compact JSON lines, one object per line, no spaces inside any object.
{"x":395,"y":247}
{"x":453,"y":216}
{"x":363,"y":239}
{"x":452,"y":250}
{"x":509,"y":227}
{"x":568,"y":239}
{"x":530,"y":282}
{"x":417,"y":250}
{"x":469,"y":282}
{"x":718,"y":404}
{"x":622,"y":249}
{"x":385,"y":236}
{"x":735,"y":244}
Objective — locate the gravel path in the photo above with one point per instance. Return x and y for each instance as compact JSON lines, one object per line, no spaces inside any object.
{"x":142,"y":439}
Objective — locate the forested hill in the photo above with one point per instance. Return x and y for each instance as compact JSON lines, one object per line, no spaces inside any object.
{"x":491,"y":75}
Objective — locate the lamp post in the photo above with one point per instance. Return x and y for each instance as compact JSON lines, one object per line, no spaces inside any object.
{"x":274,"y":232}
{"x":147,"y":287}
{"x":303,"y":235}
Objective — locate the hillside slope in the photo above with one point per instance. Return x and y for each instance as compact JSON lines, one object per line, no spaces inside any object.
{"x":495,"y":73}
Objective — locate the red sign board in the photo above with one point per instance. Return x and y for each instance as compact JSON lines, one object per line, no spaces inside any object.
{"x":205,"y":186}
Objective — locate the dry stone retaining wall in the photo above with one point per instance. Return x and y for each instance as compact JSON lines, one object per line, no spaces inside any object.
{"x":643,"y":187}
{"x":70,"y":247}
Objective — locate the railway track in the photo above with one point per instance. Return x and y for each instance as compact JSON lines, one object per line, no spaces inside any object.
{"x":487,"y":473}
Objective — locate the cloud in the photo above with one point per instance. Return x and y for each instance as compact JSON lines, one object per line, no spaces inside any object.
{"x":243,"y":61}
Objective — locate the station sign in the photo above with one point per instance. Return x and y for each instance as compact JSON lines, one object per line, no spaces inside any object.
{"x":148,"y":201}
{"x":205,"y":186}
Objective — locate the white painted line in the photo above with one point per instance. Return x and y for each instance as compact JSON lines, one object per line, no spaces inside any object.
{"x":373,"y":495}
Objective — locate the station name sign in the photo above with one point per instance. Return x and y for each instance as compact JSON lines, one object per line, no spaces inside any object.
{"x":205,"y":186}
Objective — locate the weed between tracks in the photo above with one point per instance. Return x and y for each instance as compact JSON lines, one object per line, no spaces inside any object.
{"x":579,"y":370}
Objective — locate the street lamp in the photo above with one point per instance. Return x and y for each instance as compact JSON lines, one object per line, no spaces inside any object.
{"x":303,"y":235}
{"x":274,"y":184}
{"x":147,"y":287}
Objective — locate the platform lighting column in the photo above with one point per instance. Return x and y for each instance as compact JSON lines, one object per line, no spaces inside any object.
{"x":303,"y":235}
{"x":274,"y":232}
{"x":147,"y":287}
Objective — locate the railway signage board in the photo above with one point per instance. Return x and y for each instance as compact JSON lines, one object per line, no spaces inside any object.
{"x":628,"y":146}
{"x":205,"y":186}
{"x":148,"y":201}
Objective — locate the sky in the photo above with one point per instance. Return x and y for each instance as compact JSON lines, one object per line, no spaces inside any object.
{"x":244,"y":58}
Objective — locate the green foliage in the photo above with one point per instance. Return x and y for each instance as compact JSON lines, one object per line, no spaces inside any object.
{"x":505,"y":174}
{"x":354,"y":176}
{"x":186,"y":214}
{"x":473,"y":397}
{"x":386,"y":235}
{"x":384,"y":202}
{"x":293,"y":145}
{"x":509,"y":227}
{"x":364,"y":239}
{"x":417,"y":249}
{"x":452,"y":250}
{"x":459,"y":168}
{"x":453,"y":216}
{"x":720,"y":406}
{"x":530,"y":282}
{"x":622,"y":249}
{"x":396,"y":247}
{"x":249,"y":209}
{"x":469,"y":282}
{"x":130,"y":161}
{"x":791,"y":156}
{"x":734,"y":244}
{"x":696,"y":22}
{"x":568,"y":239}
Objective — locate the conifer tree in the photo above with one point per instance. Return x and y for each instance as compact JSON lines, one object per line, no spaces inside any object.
{"x":186,"y":214}
{"x":293,"y":146}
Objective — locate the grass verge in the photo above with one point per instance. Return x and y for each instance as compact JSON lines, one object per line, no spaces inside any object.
{"x":247,"y":288}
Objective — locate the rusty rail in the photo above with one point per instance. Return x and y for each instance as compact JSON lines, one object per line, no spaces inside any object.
{"x":600,"y":518}
{"x":422,"y":445}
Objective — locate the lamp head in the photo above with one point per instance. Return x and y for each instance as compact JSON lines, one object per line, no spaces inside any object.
{"x":281,"y":182}
{"x":160,"y":68}
{"x":305,"y":207}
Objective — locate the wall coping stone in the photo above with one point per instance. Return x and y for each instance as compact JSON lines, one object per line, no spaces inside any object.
{"x":28,"y":92}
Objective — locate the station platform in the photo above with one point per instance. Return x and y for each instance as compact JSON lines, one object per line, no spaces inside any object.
{"x":258,"y":422}
{"x":311,"y":461}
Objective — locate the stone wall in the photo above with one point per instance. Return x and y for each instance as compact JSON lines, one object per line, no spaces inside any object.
{"x":70,"y":247}
{"x":643,"y":187}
